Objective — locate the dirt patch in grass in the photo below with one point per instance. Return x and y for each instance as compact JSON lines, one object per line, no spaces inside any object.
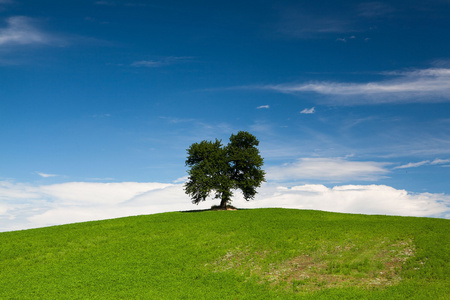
{"x":331,"y":266}
{"x":217,"y":207}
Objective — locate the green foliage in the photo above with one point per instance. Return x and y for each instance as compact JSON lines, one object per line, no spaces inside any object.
{"x":221,"y":169}
{"x":244,"y":254}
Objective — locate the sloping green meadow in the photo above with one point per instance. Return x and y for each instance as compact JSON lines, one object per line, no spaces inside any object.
{"x":244,"y":254}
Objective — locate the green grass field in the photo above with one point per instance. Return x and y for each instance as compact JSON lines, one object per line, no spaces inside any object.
{"x":244,"y":254}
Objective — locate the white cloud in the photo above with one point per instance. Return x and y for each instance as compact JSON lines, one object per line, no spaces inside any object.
{"x":308,"y":110}
{"x":17,"y":191}
{"x":99,"y":193}
{"x":25,"y":206}
{"x":328,"y":169}
{"x":427,"y":85}
{"x":263,"y":106}
{"x":28,"y":206}
{"x":21,"y":30}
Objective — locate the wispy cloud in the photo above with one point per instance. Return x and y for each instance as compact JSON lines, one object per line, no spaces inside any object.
{"x":4,"y":3}
{"x":301,"y":24}
{"x":422,"y":163}
{"x":438,"y":161}
{"x":374,"y":9}
{"x":413,"y":165}
{"x":25,"y":206}
{"x":149,"y":63}
{"x":108,"y":3}
{"x":345,"y":39}
{"x":45,"y":175}
{"x":117,"y":3}
{"x":328,"y":169}
{"x":427,"y":85}
{"x":22,"y":30}
{"x":170,"y":60}
{"x":181,"y":179}
{"x":308,"y":110}
{"x":263,"y":106}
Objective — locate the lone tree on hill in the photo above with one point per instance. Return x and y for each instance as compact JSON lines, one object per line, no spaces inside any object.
{"x":218,"y":168}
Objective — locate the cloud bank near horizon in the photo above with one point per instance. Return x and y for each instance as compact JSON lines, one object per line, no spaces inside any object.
{"x":24,"y":206}
{"x":328,"y":169}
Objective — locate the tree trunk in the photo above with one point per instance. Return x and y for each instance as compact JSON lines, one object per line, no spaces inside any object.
{"x":223,"y":202}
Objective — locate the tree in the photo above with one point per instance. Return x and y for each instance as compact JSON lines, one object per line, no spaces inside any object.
{"x":221,"y":169}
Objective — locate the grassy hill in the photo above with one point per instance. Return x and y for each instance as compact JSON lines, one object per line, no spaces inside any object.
{"x":244,"y":254}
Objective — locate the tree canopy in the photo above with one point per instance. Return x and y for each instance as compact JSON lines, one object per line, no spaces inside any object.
{"x":222,"y":169}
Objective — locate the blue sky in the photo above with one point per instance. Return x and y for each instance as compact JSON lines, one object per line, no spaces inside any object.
{"x":350,"y":101}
